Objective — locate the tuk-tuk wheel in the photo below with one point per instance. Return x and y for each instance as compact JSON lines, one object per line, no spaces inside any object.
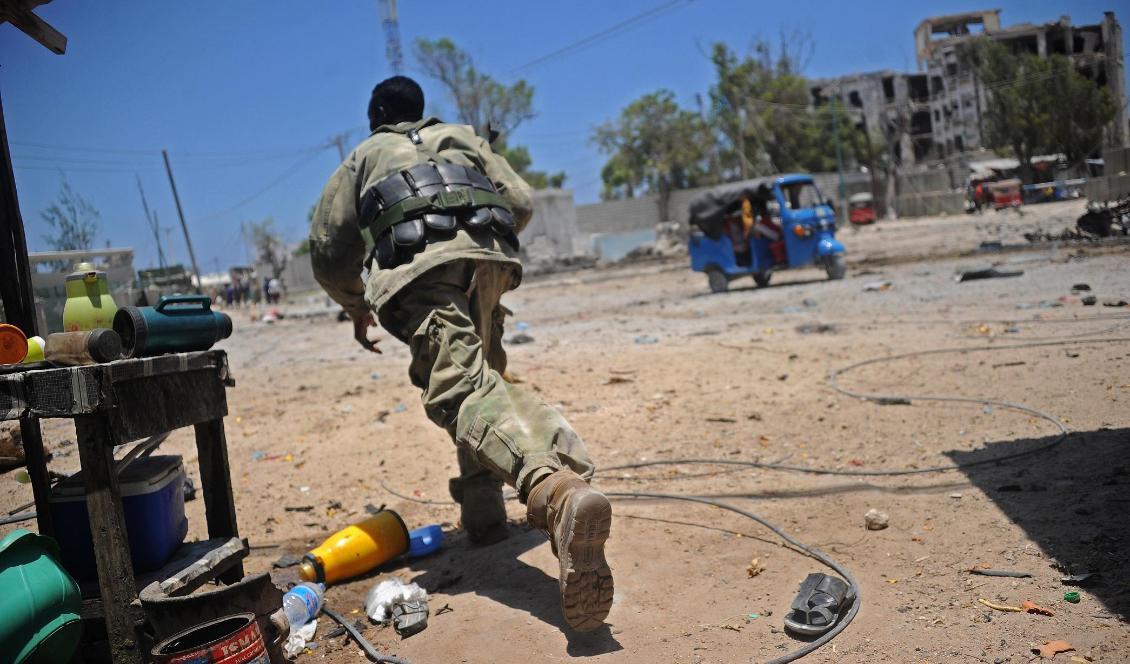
{"x":835,"y":267}
{"x":762,"y":278}
{"x":719,"y":282}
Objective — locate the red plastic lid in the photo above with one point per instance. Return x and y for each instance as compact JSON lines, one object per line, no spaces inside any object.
{"x":13,"y":344}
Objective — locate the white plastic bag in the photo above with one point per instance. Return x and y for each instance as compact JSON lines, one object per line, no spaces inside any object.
{"x":296,"y":642}
{"x":387,"y":594}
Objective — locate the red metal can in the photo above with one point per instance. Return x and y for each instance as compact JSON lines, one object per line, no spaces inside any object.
{"x":228,"y":640}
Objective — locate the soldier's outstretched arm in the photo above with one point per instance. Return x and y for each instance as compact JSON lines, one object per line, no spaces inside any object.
{"x":511,"y":185}
{"x":337,"y":250}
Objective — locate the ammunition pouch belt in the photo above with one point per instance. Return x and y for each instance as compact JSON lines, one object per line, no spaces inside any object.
{"x":427,"y":203}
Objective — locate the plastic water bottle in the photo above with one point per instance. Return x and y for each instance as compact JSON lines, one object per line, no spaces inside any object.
{"x":302,"y":603}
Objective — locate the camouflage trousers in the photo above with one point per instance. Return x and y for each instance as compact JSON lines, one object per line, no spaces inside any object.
{"x":452,"y":319}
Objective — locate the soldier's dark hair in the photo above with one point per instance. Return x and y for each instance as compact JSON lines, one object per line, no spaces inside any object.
{"x":396,"y":99}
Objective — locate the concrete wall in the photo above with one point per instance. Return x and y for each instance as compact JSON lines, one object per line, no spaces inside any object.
{"x":553,"y":229}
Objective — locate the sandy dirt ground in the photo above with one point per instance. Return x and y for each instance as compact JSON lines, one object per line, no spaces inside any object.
{"x":648,"y":365}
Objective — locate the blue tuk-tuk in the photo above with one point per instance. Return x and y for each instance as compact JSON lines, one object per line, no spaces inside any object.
{"x":757,"y":227}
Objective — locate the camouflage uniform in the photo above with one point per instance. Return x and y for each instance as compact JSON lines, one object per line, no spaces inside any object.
{"x":445,"y":304}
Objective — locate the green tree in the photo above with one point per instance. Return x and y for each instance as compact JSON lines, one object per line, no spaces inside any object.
{"x":761,"y":106}
{"x":1037,"y":105}
{"x":655,"y":147}
{"x":484,"y":103}
{"x":72,"y":219}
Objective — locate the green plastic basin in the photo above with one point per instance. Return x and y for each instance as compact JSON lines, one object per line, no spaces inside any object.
{"x":39,"y":601}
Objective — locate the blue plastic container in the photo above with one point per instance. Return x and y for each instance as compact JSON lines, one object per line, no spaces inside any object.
{"x":424,"y":541}
{"x":153,"y":506}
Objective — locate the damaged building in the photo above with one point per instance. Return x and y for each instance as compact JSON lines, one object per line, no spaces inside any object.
{"x":936,"y":113}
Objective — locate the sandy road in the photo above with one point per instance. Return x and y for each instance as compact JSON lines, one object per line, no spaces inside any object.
{"x":739,"y":376}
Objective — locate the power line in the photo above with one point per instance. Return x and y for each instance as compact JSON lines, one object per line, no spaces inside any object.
{"x":271,"y":185}
{"x":585,"y":42}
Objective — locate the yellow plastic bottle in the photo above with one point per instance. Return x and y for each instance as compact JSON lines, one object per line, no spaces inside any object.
{"x":89,"y":304}
{"x":356,"y":549}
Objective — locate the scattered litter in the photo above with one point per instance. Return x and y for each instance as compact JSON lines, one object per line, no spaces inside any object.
{"x":1078,"y":579}
{"x":1000,"y":572}
{"x":808,"y":302}
{"x":1114,"y":303}
{"x":1000,"y":607}
{"x":1081,"y":287}
{"x":1071,"y":596}
{"x":722,"y":420}
{"x":298,"y":508}
{"x":1009,"y":364}
{"x":645,"y":339}
{"x":815,"y":328}
{"x":1089,"y":300}
{"x":519,"y":339}
{"x":399,"y":408}
{"x":890,"y":401}
{"x":1051,"y":648}
{"x":373,"y":509}
{"x":1032,"y":607}
{"x":296,"y":642}
{"x":876,"y":520}
{"x":1071,"y":353}
{"x":375,"y":376}
{"x":334,"y":633}
{"x":521,"y":326}
{"x":876,"y":286}
{"x":189,"y":489}
{"x":985,"y":273}
{"x":287,"y":560}
{"x":446,"y":608}
{"x":956,"y":496}
{"x":755,"y":567}
{"x":405,"y":604}
{"x":258,"y":455}
{"x":616,"y":380}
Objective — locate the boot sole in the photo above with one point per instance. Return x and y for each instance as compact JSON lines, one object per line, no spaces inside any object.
{"x":586,"y":579}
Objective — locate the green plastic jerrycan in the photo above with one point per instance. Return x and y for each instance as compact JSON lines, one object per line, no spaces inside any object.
{"x":39,"y":601}
{"x":89,"y":303}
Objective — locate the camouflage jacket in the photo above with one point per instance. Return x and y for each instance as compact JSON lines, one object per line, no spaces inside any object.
{"x":338,"y":249}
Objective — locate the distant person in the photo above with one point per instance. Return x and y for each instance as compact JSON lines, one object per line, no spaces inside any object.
{"x":274,"y":290}
{"x":229,"y":295}
{"x":443,"y":212}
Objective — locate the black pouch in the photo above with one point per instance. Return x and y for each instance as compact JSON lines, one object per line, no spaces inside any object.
{"x":444,"y":223}
{"x":479,"y":218}
{"x":408,"y":234}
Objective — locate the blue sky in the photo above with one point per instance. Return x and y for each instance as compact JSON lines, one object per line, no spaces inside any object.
{"x":246,"y":95}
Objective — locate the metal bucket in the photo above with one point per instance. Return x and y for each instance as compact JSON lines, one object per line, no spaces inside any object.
{"x":229,"y":640}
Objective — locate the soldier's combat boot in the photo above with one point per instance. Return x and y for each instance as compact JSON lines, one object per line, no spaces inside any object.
{"x":481,"y":510}
{"x":577,"y":518}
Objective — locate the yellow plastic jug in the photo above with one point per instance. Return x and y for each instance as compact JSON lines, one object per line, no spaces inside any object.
{"x":356,"y":549}
{"x":89,"y":303}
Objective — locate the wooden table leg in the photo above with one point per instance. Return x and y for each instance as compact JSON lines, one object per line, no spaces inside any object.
{"x":107,"y":528}
{"x":215,"y":485}
{"x":37,"y":471}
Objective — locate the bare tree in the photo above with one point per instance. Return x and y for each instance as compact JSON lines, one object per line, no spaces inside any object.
{"x":269,"y":246}
{"x":72,"y":219}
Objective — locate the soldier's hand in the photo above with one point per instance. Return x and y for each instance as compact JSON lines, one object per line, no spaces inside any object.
{"x":361,"y":325}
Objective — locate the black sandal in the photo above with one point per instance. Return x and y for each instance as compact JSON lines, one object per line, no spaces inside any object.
{"x":818,"y":604}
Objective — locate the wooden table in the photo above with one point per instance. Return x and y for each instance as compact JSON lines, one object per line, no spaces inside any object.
{"x":115,"y":403}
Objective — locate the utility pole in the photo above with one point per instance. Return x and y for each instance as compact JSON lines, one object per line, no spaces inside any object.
{"x":183,"y":225}
{"x":152,"y":224}
{"x":339,"y":141}
{"x":839,"y":152}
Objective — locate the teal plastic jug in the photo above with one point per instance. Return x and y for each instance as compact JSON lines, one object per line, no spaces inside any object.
{"x":39,"y":601}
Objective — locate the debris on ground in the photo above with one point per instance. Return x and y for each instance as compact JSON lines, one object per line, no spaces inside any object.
{"x":876,"y":520}
{"x":1089,"y":300}
{"x":815,"y":328}
{"x":386,"y":594}
{"x":287,"y":560}
{"x":519,"y":339}
{"x":985,"y":273}
{"x":1078,"y":579}
{"x":1000,"y":572}
{"x":1001,"y":607}
{"x":1115,"y":303}
{"x":617,"y":380}
{"x":1052,"y":648}
{"x":1072,"y":597}
{"x":296,"y":642}
{"x":645,"y":339}
{"x":876,"y":286}
{"x":754,"y":568}
{"x":1031,"y":607}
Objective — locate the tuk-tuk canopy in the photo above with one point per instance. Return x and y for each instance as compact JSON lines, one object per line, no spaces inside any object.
{"x":709,"y":209}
